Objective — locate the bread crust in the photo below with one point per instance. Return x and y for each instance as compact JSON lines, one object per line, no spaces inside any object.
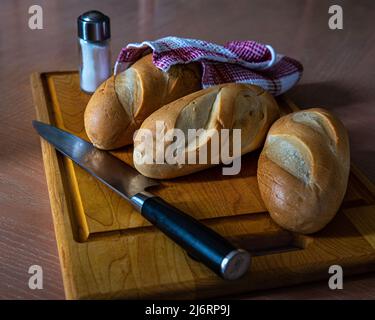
{"x":122,"y":102}
{"x":303,"y":169}
{"x":228,"y":106}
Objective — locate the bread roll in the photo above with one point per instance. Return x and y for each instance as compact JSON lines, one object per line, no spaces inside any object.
{"x":121,"y":103}
{"x":228,"y":106}
{"x":303,"y":169}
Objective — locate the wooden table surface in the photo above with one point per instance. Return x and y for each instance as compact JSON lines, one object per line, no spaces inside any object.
{"x":339,"y":75}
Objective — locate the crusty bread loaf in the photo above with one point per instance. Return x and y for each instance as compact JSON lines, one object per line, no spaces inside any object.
{"x":228,"y":106}
{"x":303,"y":169}
{"x":121,"y":103}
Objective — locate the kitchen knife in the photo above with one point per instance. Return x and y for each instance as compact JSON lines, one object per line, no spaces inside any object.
{"x":200,"y":242}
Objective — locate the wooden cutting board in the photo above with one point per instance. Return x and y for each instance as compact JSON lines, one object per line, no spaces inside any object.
{"x":107,"y":250}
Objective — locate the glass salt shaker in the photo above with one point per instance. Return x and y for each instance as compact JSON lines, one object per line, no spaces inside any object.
{"x":94,"y":49}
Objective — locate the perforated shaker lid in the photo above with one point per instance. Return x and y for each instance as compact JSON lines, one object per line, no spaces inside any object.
{"x":93,"y":26}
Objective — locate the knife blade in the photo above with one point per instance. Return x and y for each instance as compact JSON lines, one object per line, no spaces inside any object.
{"x":200,"y":242}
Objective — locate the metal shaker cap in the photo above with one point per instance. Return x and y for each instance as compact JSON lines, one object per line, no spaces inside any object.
{"x":93,"y":26}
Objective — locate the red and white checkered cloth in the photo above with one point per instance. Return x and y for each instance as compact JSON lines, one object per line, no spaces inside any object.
{"x":236,"y":61}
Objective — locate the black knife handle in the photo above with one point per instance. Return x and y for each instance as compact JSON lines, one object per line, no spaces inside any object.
{"x":201,"y":242}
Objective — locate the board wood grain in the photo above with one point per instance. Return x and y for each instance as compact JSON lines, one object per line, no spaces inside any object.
{"x":107,"y":250}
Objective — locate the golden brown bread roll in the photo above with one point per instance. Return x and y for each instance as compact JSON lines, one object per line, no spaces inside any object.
{"x":121,"y":103}
{"x":303,"y":169}
{"x":228,"y":106}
